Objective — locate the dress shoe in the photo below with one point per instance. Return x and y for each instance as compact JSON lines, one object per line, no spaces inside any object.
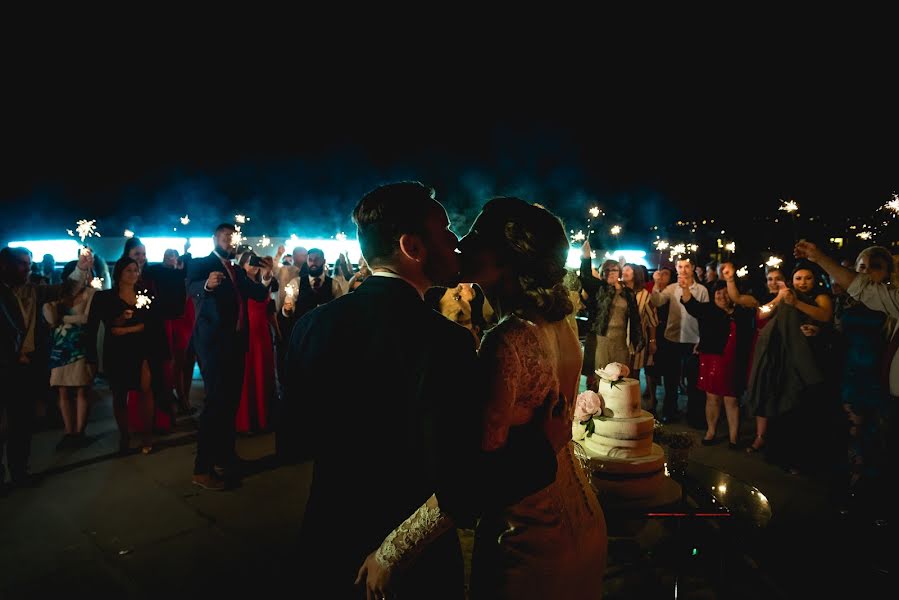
{"x":208,"y":482}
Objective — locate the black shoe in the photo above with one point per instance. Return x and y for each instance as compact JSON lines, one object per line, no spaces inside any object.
{"x":733,"y":446}
{"x":710,"y":442}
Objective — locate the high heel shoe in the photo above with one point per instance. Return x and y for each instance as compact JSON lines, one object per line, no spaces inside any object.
{"x":756,"y":446}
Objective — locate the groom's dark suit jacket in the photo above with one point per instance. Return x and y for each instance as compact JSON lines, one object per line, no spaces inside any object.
{"x":407,"y":427}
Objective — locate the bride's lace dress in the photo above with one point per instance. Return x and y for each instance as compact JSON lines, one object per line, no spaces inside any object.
{"x":551,"y":544}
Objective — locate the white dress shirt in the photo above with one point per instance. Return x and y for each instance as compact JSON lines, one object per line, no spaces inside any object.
{"x":682,"y":327}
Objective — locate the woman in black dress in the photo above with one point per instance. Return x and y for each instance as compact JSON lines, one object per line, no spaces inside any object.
{"x":125,"y":348}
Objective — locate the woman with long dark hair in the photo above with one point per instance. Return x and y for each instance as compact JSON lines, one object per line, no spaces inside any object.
{"x":125,"y":351}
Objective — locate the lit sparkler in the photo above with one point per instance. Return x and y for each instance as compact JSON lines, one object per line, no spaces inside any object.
{"x":774,"y":262}
{"x":730,"y":247}
{"x":616,"y":230}
{"x":594,"y":212}
{"x":185,"y":220}
{"x":264,"y":241}
{"x":789,"y":207}
{"x":128,"y":233}
{"x":236,"y":237}
{"x":241,"y":219}
{"x":97,"y":283}
{"x":765,"y":308}
{"x":85,"y":229}
{"x":743,"y":271}
{"x":578,"y":237}
{"x":865,"y":235}
{"x":143,"y":300}
{"x":340,"y":237}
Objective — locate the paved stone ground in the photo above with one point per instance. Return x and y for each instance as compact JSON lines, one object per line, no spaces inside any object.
{"x":101,"y":525}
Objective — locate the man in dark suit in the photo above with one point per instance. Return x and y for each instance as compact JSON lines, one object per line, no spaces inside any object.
{"x":413,"y":428}
{"x":221,"y":336}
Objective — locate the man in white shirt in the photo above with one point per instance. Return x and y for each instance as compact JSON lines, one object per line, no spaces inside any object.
{"x":682,"y":330}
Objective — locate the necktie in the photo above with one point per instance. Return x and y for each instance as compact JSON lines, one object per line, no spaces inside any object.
{"x":241,"y":317}
{"x":316,"y":283}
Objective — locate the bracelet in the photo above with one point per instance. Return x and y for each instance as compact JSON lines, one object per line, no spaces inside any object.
{"x":652,"y":341}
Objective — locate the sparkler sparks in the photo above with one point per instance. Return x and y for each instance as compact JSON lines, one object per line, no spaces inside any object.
{"x":774,"y":261}
{"x":743,"y":271}
{"x":185,"y":220}
{"x":97,"y":283}
{"x":865,"y":235}
{"x":616,"y":230}
{"x":578,"y":237}
{"x":241,"y":219}
{"x":264,"y":241}
{"x":143,"y":300}
{"x":85,"y":229}
{"x":730,"y":247}
{"x":340,"y":237}
{"x":789,"y":207}
{"x":128,"y":233}
{"x":237,"y":236}
{"x":594,"y":212}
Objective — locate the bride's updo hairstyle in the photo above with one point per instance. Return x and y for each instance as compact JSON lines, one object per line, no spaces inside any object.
{"x":530,"y":241}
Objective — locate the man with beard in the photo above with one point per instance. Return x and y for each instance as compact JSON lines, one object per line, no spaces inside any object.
{"x":413,"y":428}
{"x":313,"y":288}
{"x":220,"y":292}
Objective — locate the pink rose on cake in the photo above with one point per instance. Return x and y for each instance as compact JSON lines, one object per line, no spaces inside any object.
{"x":588,"y":404}
{"x":613,"y":371}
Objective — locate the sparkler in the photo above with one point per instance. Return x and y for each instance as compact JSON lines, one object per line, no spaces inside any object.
{"x":85,"y":229}
{"x":774,"y":261}
{"x":743,"y":271}
{"x":236,"y":237}
{"x":865,"y":235}
{"x":594,"y":212}
{"x":579,"y":236}
{"x":660,"y":245}
{"x":616,"y":229}
{"x":185,"y":220}
{"x":790,"y":208}
{"x":143,"y":300}
{"x":677,"y":250}
{"x":765,"y":308}
{"x":241,"y":219}
{"x":264,"y":241}
{"x":97,"y":283}
{"x":128,"y":233}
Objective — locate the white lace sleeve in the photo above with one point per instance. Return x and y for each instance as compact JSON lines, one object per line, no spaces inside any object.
{"x":407,"y":541}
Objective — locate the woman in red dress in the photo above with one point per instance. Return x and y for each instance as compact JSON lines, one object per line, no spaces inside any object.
{"x":725,"y":335}
{"x":259,"y":374}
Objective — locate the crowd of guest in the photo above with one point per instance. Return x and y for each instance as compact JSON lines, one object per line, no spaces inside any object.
{"x":808,"y":354}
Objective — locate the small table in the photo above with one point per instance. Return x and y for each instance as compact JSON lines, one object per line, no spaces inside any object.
{"x":695,"y":543}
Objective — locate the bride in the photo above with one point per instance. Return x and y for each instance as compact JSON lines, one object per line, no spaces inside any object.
{"x":552,"y":543}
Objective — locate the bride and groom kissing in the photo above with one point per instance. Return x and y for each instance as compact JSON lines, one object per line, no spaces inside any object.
{"x":439,"y":435}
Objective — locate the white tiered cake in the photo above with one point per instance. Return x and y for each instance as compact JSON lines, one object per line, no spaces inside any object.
{"x":625,"y":462}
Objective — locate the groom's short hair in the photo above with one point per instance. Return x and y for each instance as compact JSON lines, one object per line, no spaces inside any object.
{"x":386,"y":213}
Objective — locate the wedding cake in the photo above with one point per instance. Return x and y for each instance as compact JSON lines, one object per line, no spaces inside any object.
{"x":616,"y":435}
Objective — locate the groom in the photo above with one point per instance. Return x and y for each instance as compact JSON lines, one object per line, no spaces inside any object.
{"x":413,"y":428}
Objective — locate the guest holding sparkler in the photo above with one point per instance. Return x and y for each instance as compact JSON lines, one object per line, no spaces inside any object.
{"x":618,"y":327}
{"x":70,"y":370}
{"x":765,"y":306}
{"x":725,"y":335}
{"x":125,"y":350}
{"x":634,"y":279}
{"x":789,"y":368}
{"x":221,"y":338}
